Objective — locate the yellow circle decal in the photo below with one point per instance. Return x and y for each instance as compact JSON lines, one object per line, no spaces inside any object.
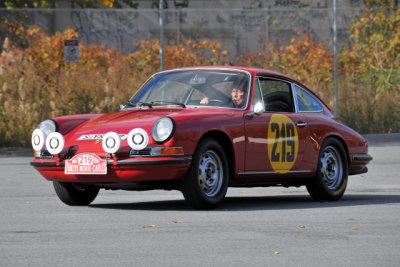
{"x":283,"y":143}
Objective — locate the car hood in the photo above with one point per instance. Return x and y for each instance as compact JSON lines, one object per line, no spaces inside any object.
{"x":85,"y":138}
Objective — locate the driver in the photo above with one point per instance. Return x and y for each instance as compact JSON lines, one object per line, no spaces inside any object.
{"x":237,"y":96}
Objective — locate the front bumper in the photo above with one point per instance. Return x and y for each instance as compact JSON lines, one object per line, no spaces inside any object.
{"x":118,"y":170}
{"x":358,"y":163}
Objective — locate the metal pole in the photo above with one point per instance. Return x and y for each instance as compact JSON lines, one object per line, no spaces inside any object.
{"x":335,"y":60}
{"x":161,"y":36}
{"x":178,"y":34}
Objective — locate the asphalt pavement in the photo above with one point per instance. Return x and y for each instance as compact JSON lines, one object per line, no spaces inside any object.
{"x":252,"y":227}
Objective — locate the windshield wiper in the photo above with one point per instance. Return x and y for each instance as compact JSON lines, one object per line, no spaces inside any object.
{"x":127,"y":104}
{"x":139,"y":104}
{"x":150,"y":105}
{"x":169,"y":102}
{"x":130,"y":104}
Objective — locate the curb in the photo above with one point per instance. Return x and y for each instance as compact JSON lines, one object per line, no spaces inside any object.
{"x":382,"y":139}
{"x":16,"y":152}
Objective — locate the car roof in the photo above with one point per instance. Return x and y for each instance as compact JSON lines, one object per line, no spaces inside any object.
{"x":257,"y":72}
{"x":253,"y":71}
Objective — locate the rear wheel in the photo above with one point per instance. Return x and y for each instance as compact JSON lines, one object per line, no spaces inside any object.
{"x":206,"y":182}
{"x":330,"y":180}
{"x":75,"y":194}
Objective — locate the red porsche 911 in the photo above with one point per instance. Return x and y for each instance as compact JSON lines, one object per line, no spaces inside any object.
{"x":200,"y":130}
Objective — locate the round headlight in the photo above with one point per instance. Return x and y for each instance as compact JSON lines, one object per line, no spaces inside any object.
{"x":55,"y":143}
{"x":163,"y":129}
{"x":138,"y":139}
{"x":38,"y":139}
{"x":47,"y":126}
{"x":111,"y":142}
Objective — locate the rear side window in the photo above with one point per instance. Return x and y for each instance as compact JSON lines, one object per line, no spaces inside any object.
{"x":306,"y":102}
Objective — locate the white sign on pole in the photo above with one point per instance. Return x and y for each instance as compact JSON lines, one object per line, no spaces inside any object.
{"x":71,"y":50}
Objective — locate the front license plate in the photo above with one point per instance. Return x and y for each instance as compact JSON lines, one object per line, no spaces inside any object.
{"x":86,"y":163}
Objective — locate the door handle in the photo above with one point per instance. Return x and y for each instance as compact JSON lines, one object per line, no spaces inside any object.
{"x":301,"y":124}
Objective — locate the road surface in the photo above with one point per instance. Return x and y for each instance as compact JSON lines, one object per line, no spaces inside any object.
{"x":253,"y":227}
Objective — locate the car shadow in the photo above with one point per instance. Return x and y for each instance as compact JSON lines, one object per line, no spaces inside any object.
{"x":243,"y":203}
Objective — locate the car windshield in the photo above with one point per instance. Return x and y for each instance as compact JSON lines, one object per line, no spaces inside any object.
{"x":200,"y":87}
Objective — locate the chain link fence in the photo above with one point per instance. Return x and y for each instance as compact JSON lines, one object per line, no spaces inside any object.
{"x":239,"y":29}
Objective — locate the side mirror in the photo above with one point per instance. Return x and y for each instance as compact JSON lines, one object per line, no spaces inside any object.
{"x":258,"y":108}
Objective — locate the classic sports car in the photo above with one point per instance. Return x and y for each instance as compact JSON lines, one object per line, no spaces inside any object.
{"x":200,"y":130}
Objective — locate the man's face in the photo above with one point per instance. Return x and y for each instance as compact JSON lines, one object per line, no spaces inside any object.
{"x":238,"y":96}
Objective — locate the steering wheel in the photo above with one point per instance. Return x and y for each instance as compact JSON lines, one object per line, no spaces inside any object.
{"x":216,"y":102}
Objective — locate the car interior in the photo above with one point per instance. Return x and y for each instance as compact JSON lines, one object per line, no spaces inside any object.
{"x":278,"y":102}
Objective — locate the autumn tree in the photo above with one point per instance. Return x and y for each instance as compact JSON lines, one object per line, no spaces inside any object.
{"x":371,"y":85}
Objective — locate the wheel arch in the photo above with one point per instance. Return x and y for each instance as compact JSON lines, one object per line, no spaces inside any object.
{"x":224,"y":140}
{"x":343,"y":143}
{"x":191,"y":186}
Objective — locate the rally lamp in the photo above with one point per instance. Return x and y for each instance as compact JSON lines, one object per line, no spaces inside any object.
{"x":138,"y":139}
{"x":55,"y":143}
{"x":111,"y":142}
{"x":38,"y":139}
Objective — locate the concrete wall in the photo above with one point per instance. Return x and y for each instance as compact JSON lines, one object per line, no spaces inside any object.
{"x":240,"y":25}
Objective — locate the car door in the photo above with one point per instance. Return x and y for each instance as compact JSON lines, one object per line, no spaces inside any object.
{"x":276,"y":137}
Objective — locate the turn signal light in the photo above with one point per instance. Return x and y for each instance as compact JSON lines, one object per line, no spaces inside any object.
{"x":166,"y":151}
{"x":171,"y":151}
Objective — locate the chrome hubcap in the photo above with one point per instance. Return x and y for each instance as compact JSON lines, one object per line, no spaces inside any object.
{"x":210,"y":173}
{"x":331,"y":168}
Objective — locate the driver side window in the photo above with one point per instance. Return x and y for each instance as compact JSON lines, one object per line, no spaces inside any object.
{"x":277,"y":95}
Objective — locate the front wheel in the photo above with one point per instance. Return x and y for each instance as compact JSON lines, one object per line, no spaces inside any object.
{"x":330,"y":180}
{"x":75,"y":194}
{"x":206,"y":182}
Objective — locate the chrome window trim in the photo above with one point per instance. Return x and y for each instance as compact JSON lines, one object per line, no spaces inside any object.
{"x":296,"y":105}
{"x":281,"y":80}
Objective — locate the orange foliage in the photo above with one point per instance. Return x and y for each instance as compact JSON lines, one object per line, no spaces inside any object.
{"x":187,"y":53}
{"x":36,"y":83}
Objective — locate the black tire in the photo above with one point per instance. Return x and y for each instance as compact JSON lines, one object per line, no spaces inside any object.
{"x":75,"y":194}
{"x":206,"y":182}
{"x":330,"y":180}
